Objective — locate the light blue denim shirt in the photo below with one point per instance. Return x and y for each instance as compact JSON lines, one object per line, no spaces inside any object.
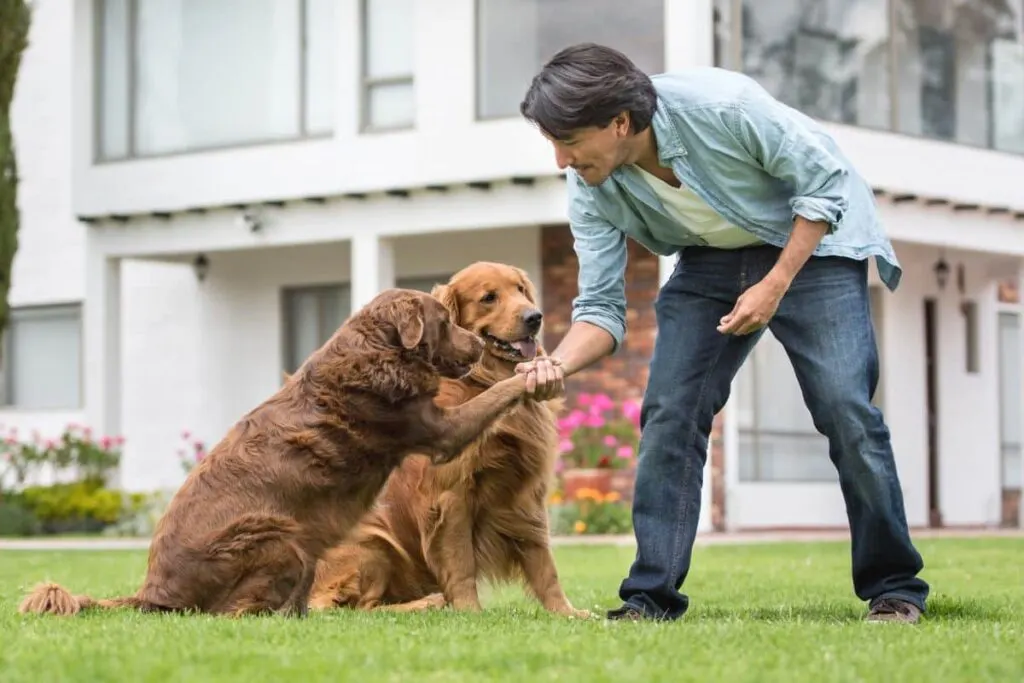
{"x":754,"y":160}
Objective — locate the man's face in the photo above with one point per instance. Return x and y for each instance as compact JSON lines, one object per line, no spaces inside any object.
{"x":594,"y":152}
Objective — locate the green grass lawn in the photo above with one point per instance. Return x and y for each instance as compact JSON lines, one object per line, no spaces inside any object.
{"x":758,"y":613}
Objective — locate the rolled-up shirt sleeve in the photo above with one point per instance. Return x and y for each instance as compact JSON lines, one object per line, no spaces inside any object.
{"x":790,"y":151}
{"x":601,"y":251}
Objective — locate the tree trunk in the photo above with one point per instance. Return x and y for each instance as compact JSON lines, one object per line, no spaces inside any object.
{"x":14,"y":22}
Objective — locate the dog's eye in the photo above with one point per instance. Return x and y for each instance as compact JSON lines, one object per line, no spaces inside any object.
{"x":489,"y":297}
{"x":522,"y":290}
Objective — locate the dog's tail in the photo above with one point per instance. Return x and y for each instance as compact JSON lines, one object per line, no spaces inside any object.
{"x":50,"y":598}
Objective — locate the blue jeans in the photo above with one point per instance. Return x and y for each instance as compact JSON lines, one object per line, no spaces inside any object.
{"x":824,"y":323}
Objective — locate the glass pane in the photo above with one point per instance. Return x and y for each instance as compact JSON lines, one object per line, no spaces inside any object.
{"x":303,"y":327}
{"x":321,"y":58}
{"x":44,"y":364}
{"x":785,"y":458}
{"x":778,"y":440}
{"x":391,"y":105}
{"x":216,"y":73}
{"x":947,"y":52}
{"x":390,"y":39}
{"x":827,"y":58}
{"x":723,"y":24}
{"x":113,"y":79}
{"x":516,"y":37}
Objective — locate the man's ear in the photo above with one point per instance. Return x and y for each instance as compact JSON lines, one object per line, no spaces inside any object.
{"x":410,"y":324}
{"x":446,"y":295}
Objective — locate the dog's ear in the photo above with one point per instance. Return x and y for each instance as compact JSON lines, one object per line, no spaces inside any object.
{"x":531,"y":291}
{"x":446,"y":295}
{"x":410,"y":323}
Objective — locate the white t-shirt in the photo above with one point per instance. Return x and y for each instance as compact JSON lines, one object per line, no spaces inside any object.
{"x":691,"y":211}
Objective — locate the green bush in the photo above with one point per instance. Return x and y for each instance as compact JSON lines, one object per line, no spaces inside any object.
{"x":84,"y":506}
{"x":15,"y":520}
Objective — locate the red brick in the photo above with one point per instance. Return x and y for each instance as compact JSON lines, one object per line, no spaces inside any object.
{"x":624,"y":375}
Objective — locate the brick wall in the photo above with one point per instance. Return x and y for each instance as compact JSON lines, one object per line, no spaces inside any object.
{"x":623,"y":375}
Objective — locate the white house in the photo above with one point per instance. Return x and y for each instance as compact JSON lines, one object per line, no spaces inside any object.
{"x":209,"y":188}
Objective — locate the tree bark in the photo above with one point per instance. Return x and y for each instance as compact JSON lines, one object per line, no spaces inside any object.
{"x":15,"y":17}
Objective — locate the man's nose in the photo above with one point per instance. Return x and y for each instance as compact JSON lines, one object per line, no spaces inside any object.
{"x":562,"y":158}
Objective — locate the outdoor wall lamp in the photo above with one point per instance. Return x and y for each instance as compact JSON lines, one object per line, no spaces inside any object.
{"x":201,"y":265}
{"x":941,"y":270}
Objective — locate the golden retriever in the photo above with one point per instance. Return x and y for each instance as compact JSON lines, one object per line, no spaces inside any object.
{"x":438,"y":529}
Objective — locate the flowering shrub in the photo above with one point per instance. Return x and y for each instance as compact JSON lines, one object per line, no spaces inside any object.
{"x":590,"y":512}
{"x":75,"y":450}
{"x":191,"y":452}
{"x":79,"y":500}
{"x":599,"y":433}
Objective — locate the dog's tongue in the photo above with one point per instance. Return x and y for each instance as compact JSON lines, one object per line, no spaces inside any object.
{"x":526,"y":347}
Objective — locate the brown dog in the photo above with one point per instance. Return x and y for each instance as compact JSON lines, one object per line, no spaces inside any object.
{"x":292,"y":477}
{"x":436,"y":530}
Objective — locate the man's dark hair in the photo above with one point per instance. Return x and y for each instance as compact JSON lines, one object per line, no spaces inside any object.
{"x":588,"y":85}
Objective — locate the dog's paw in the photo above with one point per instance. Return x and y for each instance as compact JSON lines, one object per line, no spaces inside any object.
{"x":581,"y":614}
{"x":435,"y":601}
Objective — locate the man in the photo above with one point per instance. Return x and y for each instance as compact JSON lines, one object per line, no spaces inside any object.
{"x":773,"y":228}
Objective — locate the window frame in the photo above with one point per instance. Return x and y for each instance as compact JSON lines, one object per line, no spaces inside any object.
{"x":367,"y":83}
{"x":287,"y":294}
{"x":734,"y":53}
{"x":478,"y":116}
{"x":99,"y":73}
{"x":74,"y":309}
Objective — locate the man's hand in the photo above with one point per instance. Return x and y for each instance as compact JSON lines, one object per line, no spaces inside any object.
{"x":545,"y":378}
{"x":754,"y":308}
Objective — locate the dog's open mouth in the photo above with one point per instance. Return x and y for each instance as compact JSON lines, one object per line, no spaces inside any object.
{"x":520,"y":349}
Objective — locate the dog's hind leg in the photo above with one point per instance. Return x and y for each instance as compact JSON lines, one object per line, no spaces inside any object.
{"x":432,"y":601}
{"x":267,"y":568}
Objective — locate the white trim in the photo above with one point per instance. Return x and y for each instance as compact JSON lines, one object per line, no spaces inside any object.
{"x":424,"y":211}
{"x":101,"y":337}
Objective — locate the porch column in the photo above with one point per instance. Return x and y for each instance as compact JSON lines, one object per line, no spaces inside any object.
{"x":1020,"y":337}
{"x":373,"y":267}
{"x":102,"y":342}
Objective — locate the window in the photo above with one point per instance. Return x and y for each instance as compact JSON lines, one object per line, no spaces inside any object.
{"x":186,"y":75}
{"x":1010,"y":399}
{"x":388,"y":55}
{"x":777,"y":438}
{"x":516,"y":37}
{"x":942,"y":69}
{"x":311,"y":316}
{"x":43,"y":358}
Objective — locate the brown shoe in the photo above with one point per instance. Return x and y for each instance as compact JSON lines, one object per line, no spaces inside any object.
{"x":894,"y":609}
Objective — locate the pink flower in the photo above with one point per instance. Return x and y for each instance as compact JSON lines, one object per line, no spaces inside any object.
{"x":625,"y":452}
{"x":198,"y":445}
{"x":631,"y":411}
{"x":565,"y":446}
{"x":186,"y":435}
{"x":118,"y":440}
{"x":50,"y":443}
{"x":603,"y":402}
{"x":11,"y":441}
{"x":584,"y":399}
{"x":610,"y":440}
{"x":106,"y":442}
{"x":595,"y":421}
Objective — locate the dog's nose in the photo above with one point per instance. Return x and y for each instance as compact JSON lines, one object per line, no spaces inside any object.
{"x":533,"y":318}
